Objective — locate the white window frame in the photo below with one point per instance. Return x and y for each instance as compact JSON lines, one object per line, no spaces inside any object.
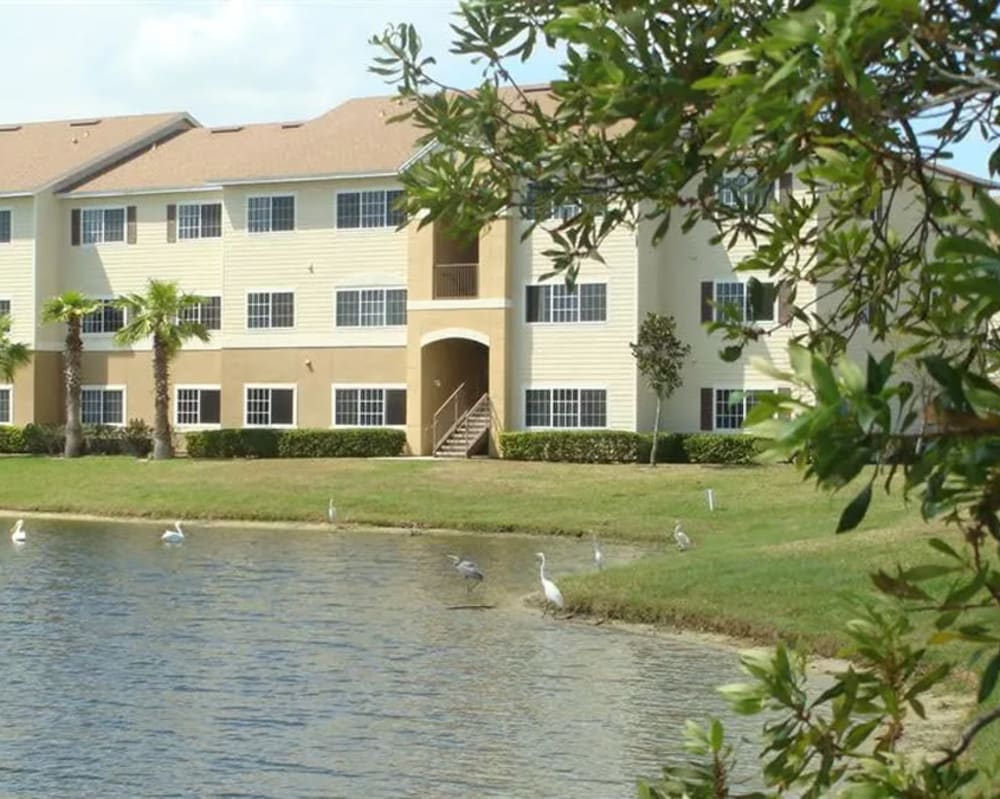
{"x":196,"y":425}
{"x":199,"y":206}
{"x":361,"y":228}
{"x":9,"y":388}
{"x":10,"y":301}
{"x":209,"y":296}
{"x":107,"y":387}
{"x":104,"y":334}
{"x":384,"y":290}
{"x":577,"y":295}
{"x":383,"y":387}
{"x":104,"y":209}
{"x":746,"y":311}
{"x":8,"y":210}
{"x":736,"y":197}
{"x":270,"y":218}
{"x":280,"y":386}
{"x":715,"y":406}
{"x":564,"y":387}
{"x":270,"y":328}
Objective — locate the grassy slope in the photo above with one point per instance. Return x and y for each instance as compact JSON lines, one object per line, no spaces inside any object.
{"x":766,"y":563}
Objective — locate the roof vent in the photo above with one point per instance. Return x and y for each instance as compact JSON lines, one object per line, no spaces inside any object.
{"x":84,"y":123}
{"x":290,"y":125}
{"x":9,"y":128}
{"x":226,"y":129}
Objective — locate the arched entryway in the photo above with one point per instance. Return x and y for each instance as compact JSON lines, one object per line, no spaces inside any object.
{"x":455,"y":375}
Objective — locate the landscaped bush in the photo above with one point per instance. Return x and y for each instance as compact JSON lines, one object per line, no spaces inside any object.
{"x":361,"y":442}
{"x":266,"y":443}
{"x":573,"y":446}
{"x":11,"y":439}
{"x":721,"y":448}
{"x":669,"y":448}
{"x":43,"y":439}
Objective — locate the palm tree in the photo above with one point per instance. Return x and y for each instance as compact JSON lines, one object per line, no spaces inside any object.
{"x":70,"y":308}
{"x":13,"y":354}
{"x":158,"y":314}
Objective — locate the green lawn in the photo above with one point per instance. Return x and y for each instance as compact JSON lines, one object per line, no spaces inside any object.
{"x":765,"y":565}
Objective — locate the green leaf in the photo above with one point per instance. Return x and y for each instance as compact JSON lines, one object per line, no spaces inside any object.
{"x":715,"y":735}
{"x":855,"y":512}
{"x":944,"y":548}
{"x":989,"y":678}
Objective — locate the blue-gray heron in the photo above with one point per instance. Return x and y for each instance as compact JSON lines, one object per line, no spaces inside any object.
{"x":469,"y":570}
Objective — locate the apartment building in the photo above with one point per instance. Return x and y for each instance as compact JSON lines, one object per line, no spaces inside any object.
{"x":322,"y":312}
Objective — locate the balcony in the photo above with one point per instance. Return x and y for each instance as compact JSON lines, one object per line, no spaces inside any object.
{"x":456,"y":281}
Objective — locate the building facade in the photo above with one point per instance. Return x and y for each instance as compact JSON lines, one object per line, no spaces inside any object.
{"x":322,"y":312}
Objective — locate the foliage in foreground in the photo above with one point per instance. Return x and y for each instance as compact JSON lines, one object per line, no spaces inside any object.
{"x":659,"y":103}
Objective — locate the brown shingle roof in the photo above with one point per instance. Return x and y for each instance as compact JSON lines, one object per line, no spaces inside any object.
{"x":34,"y":155}
{"x":353,"y":138}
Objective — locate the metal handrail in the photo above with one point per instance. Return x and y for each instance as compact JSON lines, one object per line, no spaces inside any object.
{"x":469,"y":437}
{"x":445,"y":413}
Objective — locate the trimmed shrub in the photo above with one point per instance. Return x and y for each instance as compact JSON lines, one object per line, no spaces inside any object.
{"x":572,"y":446}
{"x":137,"y":438}
{"x":11,"y":439}
{"x":43,"y":439}
{"x":669,"y":448}
{"x":360,"y":442}
{"x":233,"y":443}
{"x":721,"y":448}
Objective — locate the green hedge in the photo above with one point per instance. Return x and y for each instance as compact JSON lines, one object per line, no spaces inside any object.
{"x":616,"y":446}
{"x":136,"y":439}
{"x":365,"y":442}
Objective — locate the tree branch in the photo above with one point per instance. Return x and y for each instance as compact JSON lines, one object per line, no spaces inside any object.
{"x":968,"y":735}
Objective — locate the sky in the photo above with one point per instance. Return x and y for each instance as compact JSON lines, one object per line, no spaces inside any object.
{"x":227,"y":61}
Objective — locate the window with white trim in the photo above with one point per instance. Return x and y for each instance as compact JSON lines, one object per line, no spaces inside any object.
{"x":565,"y":407}
{"x":369,"y":407}
{"x":4,"y":307}
{"x":99,"y":225}
{"x":370,"y":307}
{"x":557,"y":302}
{"x":269,"y":406}
{"x":5,"y":226}
{"x":731,"y":407}
{"x":537,"y":204}
{"x":742,"y":191}
{"x":197,"y":405}
{"x":369,"y":209}
{"x":271,"y":213}
{"x":102,"y":405}
{"x":736,"y":301}
{"x":270,"y":309}
{"x":199,"y":220}
{"x":208,"y":313}
{"x":106,"y":319}
{"x":7,"y":404}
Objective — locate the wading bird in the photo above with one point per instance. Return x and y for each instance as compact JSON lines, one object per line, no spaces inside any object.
{"x":680,"y":537}
{"x":469,"y":570}
{"x":18,"y":534}
{"x":175,"y":536}
{"x":331,"y":512}
{"x":553,"y":596}
{"x":598,"y":555}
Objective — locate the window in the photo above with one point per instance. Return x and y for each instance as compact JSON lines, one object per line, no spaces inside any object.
{"x":6,"y":405}
{"x":741,"y":191}
{"x":102,"y":405}
{"x":371,"y":307}
{"x":565,"y":407}
{"x":198,"y":405}
{"x":208,"y":312}
{"x":556,"y":302}
{"x":270,"y":309}
{"x":199,"y":221}
{"x":106,"y":319}
{"x":4,"y":307}
{"x":368,"y":209}
{"x":731,"y":407}
{"x":102,"y":224}
{"x":4,"y":227}
{"x":537,"y":206}
{"x":270,"y":406}
{"x":267,"y":214}
{"x":743,"y":302}
{"x":369,"y":407}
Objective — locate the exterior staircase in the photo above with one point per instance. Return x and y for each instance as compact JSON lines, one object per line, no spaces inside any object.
{"x":468,"y":431}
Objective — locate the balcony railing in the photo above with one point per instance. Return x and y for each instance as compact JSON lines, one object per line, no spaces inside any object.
{"x":456,"y":281}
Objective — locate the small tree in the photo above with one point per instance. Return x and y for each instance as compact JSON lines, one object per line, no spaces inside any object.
{"x":69,"y":308}
{"x":659,"y":355}
{"x":13,"y":354}
{"x":158,"y":314}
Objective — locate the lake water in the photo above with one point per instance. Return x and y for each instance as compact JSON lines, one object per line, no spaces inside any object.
{"x":299,"y":663}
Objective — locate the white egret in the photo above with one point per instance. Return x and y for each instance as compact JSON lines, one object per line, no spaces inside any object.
{"x":469,"y":570}
{"x":598,"y":555}
{"x":18,"y":534}
{"x":331,"y":512}
{"x":553,"y":595}
{"x":680,"y":537}
{"x":174,"y":536}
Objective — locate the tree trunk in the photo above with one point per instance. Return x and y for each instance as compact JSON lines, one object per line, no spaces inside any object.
{"x":74,"y":358}
{"x":162,"y":445}
{"x":656,"y":430}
